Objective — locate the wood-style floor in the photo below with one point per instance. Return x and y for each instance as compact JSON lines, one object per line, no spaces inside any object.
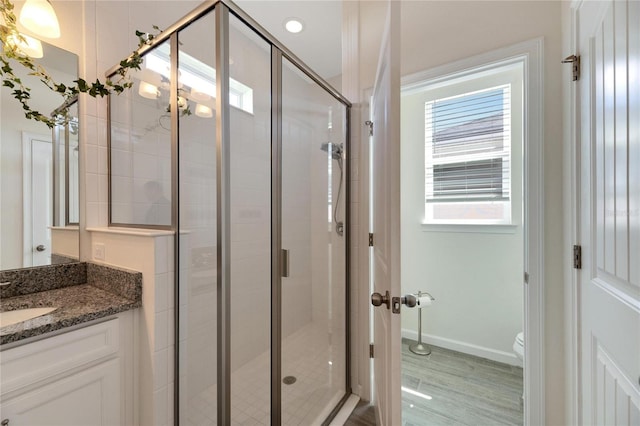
{"x":452,"y":388}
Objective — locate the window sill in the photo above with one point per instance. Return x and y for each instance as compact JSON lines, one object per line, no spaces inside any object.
{"x":470,"y":228}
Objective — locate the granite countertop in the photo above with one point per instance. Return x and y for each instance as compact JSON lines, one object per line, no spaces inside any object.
{"x":107,"y":291}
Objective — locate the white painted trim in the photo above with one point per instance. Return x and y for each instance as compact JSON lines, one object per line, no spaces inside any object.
{"x":530,"y":53}
{"x":365,"y":228}
{"x":464,"y":347}
{"x":469,"y":228}
{"x":359,"y":309}
{"x":571,"y":182}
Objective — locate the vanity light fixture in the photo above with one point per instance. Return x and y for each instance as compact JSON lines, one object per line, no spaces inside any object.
{"x":26,"y":45}
{"x":39,"y":17}
{"x":203,"y":111}
{"x":148,"y":90}
{"x":293,"y":25}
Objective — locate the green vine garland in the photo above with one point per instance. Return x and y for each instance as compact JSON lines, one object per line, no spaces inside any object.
{"x":11,"y":54}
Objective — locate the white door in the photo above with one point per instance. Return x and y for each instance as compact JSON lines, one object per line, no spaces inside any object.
{"x":38,"y":199}
{"x":608,"y":36}
{"x":385,"y":176}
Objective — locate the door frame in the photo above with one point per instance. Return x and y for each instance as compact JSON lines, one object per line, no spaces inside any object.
{"x":571,"y":186}
{"x":531,"y":53}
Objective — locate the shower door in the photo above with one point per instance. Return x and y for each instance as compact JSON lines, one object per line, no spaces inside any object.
{"x":313,"y":283}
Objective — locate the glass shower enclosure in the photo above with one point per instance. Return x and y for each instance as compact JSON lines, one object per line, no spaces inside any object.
{"x":232,"y":142}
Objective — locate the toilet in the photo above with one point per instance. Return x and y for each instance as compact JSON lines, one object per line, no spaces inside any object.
{"x":518,"y":346}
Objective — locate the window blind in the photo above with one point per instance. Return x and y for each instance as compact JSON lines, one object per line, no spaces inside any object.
{"x":467,"y":147}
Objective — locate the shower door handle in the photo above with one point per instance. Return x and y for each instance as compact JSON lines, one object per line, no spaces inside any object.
{"x":285,"y":263}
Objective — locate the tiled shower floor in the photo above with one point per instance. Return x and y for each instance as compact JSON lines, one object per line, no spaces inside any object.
{"x":308,"y":401}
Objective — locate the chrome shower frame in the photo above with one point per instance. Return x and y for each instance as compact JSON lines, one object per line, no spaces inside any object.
{"x":222,"y":9}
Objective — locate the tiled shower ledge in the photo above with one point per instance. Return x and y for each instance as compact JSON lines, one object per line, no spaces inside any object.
{"x":142,"y":232}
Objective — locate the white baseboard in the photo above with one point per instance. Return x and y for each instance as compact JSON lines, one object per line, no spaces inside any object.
{"x":464,"y":347}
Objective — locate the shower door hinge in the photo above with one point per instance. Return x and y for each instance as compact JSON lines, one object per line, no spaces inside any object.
{"x":574,"y":60}
{"x":370,"y":239}
{"x":370,"y":124}
{"x":370,"y":350}
{"x":577,"y":257}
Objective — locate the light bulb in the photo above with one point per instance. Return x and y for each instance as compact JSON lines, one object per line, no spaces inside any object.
{"x":147,"y":90}
{"x":198,"y":95}
{"x":182,"y":102}
{"x":293,"y":25}
{"x":29,"y":46}
{"x":38,"y":16}
{"x":203,"y":111}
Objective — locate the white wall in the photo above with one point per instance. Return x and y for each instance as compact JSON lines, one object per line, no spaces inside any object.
{"x":439,"y":32}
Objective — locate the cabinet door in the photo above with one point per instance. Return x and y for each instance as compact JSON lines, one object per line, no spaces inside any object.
{"x":87,"y":398}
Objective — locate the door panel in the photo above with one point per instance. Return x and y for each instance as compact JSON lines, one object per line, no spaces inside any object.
{"x":41,"y":202}
{"x":610,"y":171}
{"x":385,"y":178}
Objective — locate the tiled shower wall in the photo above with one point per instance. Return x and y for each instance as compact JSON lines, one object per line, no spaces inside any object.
{"x":107,"y":34}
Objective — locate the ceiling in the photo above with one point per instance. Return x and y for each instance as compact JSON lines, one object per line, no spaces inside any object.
{"x":319,"y":45}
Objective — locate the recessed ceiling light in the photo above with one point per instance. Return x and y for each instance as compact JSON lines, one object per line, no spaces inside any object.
{"x":293,"y":25}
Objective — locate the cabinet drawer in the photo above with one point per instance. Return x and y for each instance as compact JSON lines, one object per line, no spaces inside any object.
{"x":31,"y":363}
{"x":87,"y":398}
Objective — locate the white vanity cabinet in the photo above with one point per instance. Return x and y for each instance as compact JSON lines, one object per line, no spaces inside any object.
{"x":75,"y":378}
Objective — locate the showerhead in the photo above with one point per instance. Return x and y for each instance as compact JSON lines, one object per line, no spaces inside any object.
{"x":336,"y":150}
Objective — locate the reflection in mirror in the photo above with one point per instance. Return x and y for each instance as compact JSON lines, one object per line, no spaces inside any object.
{"x":39,"y":198}
{"x":65,"y":172}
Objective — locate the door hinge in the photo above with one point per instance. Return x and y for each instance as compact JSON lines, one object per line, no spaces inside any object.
{"x":370,"y":239}
{"x":577,"y":257}
{"x":575,"y":61}
{"x":370,"y":124}
{"x":526,"y":278}
{"x":371,"y":350}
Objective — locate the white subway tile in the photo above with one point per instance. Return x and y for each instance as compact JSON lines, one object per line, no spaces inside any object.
{"x":161,"y":330}
{"x":91,"y":156}
{"x":160,"y":369}
{"x":161,"y":302}
{"x":161,"y":412}
{"x":161,"y":254}
{"x":91,"y":185}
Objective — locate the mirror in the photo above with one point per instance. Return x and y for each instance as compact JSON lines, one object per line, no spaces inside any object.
{"x":39,"y":197}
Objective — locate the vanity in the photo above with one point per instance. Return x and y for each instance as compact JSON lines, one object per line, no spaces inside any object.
{"x":73,"y":365}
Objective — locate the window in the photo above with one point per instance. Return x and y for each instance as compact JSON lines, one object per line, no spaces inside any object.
{"x":468,"y":137}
